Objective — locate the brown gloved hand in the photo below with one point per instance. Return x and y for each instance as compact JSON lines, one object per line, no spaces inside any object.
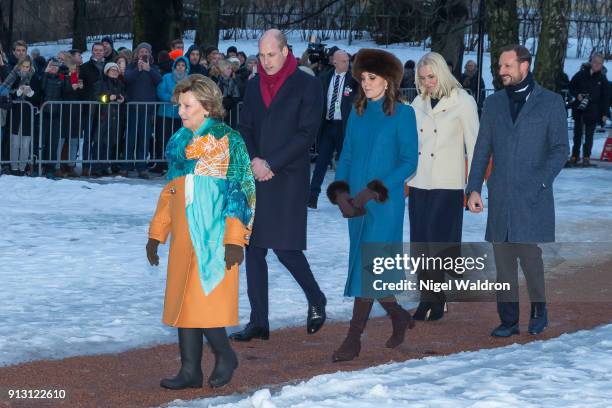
{"x":234,"y":254}
{"x":338,"y":193}
{"x":375,"y":190}
{"x":151,"y":247}
{"x":347,"y":206}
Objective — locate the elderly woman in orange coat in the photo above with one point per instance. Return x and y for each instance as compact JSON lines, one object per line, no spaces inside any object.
{"x":208,"y":208}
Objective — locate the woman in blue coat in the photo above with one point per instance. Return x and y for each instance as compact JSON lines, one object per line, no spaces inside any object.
{"x":379,"y":154}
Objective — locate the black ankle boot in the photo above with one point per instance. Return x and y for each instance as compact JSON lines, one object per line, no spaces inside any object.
{"x":190,"y":375}
{"x":226,"y":360}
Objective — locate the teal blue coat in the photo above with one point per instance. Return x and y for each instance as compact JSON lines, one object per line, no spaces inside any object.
{"x":380,"y":147}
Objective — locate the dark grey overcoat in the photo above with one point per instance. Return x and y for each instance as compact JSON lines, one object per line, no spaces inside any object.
{"x":527,"y":156}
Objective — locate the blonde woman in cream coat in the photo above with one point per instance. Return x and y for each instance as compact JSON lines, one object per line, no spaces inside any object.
{"x":447,"y":126}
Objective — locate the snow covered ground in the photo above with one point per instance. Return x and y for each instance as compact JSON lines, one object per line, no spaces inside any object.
{"x":75,"y":279}
{"x":573,"y":370}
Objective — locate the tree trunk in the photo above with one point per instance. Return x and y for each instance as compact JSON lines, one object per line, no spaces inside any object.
{"x":158,"y":23}
{"x":448,"y":32}
{"x":79,"y":25}
{"x":207,"y":31}
{"x":502,"y":26}
{"x":552,"y":44}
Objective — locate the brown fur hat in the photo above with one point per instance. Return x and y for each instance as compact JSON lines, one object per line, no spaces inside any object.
{"x":379,"y":62}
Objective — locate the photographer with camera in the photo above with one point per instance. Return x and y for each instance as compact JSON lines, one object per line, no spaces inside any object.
{"x":590,"y":87}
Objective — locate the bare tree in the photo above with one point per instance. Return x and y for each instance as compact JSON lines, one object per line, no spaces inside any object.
{"x":502,"y":24}
{"x":79,"y":25}
{"x":207,"y":30}
{"x":448,"y":36}
{"x":552,"y":44}
{"x":158,"y":22}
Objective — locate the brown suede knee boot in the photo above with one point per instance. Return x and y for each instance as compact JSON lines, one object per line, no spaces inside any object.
{"x":400,"y":320}
{"x":351,"y":346}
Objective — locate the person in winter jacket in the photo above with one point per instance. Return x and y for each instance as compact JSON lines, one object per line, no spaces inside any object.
{"x":141,"y":79}
{"x":590,"y":88}
{"x":110,"y":92}
{"x":447,"y":119}
{"x":195,"y":56}
{"x":22,"y":85}
{"x":169,"y":120}
{"x":109,"y":52}
{"x":55,"y":88}
{"x":380,"y":152}
{"x":208,"y":206}
{"x":229,"y":89}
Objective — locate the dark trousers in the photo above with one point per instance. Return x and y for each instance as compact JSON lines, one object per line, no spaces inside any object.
{"x":507,"y":258}
{"x":257,"y":280}
{"x":436,"y":217}
{"x":580,"y":126}
{"x":139,"y":132}
{"x":330,"y":140}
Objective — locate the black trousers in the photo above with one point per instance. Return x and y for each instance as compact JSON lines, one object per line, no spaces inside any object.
{"x":330,"y":140}
{"x":436,"y":217}
{"x":581,"y":126}
{"x":507,"y":258}
{"x":257,"y":280}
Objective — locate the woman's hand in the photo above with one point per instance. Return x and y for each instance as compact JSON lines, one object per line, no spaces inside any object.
{"x":151,"y":247}
{"x":234,"y":254}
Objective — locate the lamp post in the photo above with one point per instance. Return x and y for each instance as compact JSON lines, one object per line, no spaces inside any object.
{"x":481,"y":21}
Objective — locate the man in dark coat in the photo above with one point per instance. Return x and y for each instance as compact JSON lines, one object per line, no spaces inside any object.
{"x":109,"y":51}
{"x":524,"y":128}
{"x":590,"y":88}
{"x":339,"y":90}
{"x":194,"y":55}
{"x":279,"y":121}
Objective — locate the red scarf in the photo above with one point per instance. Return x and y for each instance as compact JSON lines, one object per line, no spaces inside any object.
{"x":270,"y":84}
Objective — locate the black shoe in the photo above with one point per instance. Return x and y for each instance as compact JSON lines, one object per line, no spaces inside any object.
{"x":250,"y":332}
{"x":539,"y":318}
{"x":144,"y":175}
{"x":316,"y":318}
{"x":505,"y":330}
{"x":312,"y":201}
{"x":190,"y":375}
{"x":422,"y":311}
{"x":226,"y":360}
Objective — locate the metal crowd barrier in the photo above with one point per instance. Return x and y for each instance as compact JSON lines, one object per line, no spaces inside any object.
{"x":89,"y":134}
{"x":17,"y":136}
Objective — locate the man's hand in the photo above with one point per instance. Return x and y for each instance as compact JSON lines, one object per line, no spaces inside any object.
{"x":151,"y":247}
{"x":234,"y":254}
{"x":260,"y":170}
{"x":112,"y":97}
{"x":475,"y":202}
{"x":146,"y":66}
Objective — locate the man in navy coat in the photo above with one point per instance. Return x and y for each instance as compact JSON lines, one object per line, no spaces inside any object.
{"x":280,"y":118}
{"x":339,"y":90}
{"x":524,"y":128}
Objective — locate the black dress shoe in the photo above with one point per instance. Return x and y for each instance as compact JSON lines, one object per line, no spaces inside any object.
{"x":316,"y":318}
{"x":312,"y":201}
{"x":422,"y":311}
{"x":250,"y":332}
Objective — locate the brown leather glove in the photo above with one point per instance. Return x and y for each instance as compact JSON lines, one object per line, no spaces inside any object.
{"x":338,"y":193}
{"x":234,"y":254}
{"x":347,"y":207}
{"x":152,"y":256}
{"x":375,"y":190}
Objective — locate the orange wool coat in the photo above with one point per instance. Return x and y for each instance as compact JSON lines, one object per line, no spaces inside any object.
{"x":185,"y":304}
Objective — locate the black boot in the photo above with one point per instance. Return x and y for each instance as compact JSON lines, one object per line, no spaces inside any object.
{"x":351,"y":346}
{"x":422,"y":311}
{"x":226,"y":360}
{"x":400,"y":320}
{"x":190,"y":375}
